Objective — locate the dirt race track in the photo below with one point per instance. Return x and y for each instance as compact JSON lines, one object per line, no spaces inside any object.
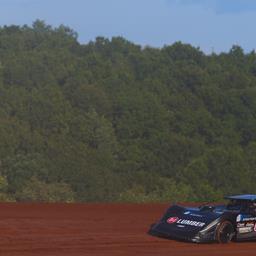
{"x":95,"y":229}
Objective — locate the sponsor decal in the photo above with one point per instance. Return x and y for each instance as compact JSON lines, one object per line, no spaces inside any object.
{"x":249,"y":224}
{"x":196,"y":215}
{"x":239,"y":225}
{"x":249,"y":218}
{"x":191,"y":223}
{"x":241,"y":217}
{"x":183,"y":222}
{"x":172,"y":220}
{"x":192,"y":214}
{"x":245,"y":230}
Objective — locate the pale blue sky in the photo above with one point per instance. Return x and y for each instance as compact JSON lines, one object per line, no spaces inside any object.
{"x":208,"y":24}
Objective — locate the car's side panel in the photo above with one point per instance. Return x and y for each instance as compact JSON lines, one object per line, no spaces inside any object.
{"x":245,"y":226}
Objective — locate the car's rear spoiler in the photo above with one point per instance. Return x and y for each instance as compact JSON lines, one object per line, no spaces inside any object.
{"x":248,"y":197}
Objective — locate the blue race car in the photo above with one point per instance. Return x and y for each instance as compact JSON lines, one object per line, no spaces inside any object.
{"x":222,"y":223}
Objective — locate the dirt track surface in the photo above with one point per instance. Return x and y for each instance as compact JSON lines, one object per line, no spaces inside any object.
{"x":95,"y":229}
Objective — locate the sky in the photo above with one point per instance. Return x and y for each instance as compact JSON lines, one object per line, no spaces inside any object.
{"x":211,"y":25}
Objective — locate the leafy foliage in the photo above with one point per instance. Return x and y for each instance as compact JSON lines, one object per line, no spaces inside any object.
{"x":114,"y":121}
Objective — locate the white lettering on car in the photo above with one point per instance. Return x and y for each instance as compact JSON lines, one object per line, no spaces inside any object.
{"x":173,"y":220}
{"x":245,"y":230}
{"x":249,"y":219}
{"x":191,"y":223}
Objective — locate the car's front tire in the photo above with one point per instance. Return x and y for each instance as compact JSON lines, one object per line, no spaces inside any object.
{"x":225,"y":232}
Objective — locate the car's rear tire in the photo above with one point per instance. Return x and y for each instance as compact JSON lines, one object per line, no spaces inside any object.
{"x":225,"y":232}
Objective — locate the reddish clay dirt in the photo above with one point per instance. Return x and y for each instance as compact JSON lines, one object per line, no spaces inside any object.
{"x":95,"y":230}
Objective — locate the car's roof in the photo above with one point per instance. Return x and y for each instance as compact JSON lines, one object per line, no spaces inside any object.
{"x":247,"y":197}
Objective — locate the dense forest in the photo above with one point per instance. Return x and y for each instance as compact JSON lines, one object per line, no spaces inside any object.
{"x":114,"y":121}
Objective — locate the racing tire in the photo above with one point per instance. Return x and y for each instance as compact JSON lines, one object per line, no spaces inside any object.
{"x":225,"y":232}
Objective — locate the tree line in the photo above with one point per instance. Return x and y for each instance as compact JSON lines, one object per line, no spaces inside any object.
{"x":111,"y":120}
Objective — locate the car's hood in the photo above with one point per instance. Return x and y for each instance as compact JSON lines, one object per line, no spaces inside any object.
{"x":187,"y":223}
{"x":180,"y":221}
{"x":190,"y":217}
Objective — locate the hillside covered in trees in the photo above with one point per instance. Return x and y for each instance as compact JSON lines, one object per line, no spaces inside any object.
{"x":114,"y":121}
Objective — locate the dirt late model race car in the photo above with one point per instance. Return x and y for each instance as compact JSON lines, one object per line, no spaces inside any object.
{"x":222,"y":223}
